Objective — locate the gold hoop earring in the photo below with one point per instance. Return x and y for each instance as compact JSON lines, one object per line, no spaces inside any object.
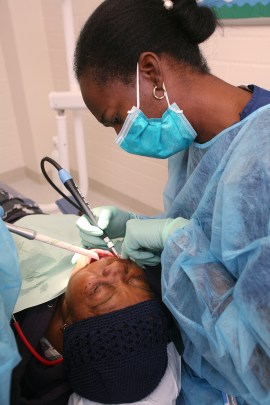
{"x":155,"y":95}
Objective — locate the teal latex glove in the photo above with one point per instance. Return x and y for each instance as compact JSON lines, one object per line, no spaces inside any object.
{"x":145,"y":239}
{"x":111,"y":219}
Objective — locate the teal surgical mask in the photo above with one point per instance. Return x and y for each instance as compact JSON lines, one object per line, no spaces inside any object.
{"x":155,"y":137}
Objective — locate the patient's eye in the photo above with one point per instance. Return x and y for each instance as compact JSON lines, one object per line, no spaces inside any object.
{"x":96,"y":288}
{"x":100,"y":290}
{"x":140,"y":277}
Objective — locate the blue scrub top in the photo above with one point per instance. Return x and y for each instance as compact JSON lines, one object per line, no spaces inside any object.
{"x":260,"y":97}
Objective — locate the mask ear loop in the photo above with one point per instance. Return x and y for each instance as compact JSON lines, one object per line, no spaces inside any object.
{"x":166,"y":95}
{"x":138,"y":86}
{"x":138,"y":89}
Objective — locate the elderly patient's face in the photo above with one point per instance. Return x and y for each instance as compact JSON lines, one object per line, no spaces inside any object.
{"x":105,"y":286}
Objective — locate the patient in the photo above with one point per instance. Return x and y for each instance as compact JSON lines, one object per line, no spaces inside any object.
{"x":115,"y":341}
{"x":97,"y":288}
{"x":115,"y":333}
{"x":116,"y":337}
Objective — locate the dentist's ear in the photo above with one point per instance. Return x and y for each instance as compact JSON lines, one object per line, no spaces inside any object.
{"x":150,"y":68}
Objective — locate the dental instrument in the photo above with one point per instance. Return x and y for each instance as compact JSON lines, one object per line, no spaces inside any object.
{"x":83,"y":205}
{"x":33,"y":235}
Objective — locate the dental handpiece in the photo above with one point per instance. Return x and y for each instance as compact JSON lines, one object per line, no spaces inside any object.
{"x":33,"y":235}
{"x":72,"y":187}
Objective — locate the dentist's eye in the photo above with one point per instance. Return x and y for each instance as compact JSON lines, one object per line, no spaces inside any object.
{"x":117,"y":120}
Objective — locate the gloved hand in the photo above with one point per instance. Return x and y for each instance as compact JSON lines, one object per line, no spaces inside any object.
{"x":111,"y":219}
{"x":145,"y":238}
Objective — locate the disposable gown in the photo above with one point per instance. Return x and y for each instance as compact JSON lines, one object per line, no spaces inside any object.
{"x":10,"y":283}
{"x":216,"y":270}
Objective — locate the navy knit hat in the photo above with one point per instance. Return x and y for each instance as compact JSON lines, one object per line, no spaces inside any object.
{"x":119,"y":357}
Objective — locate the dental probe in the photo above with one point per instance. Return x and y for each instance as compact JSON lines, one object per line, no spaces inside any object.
{"x":33,"y":235}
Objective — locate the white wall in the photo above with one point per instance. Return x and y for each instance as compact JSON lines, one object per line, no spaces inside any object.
{"x":240,"y":55}
{"x":33,"y":63}
{"x":25,"y":51}
{"x":9,"y":136}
